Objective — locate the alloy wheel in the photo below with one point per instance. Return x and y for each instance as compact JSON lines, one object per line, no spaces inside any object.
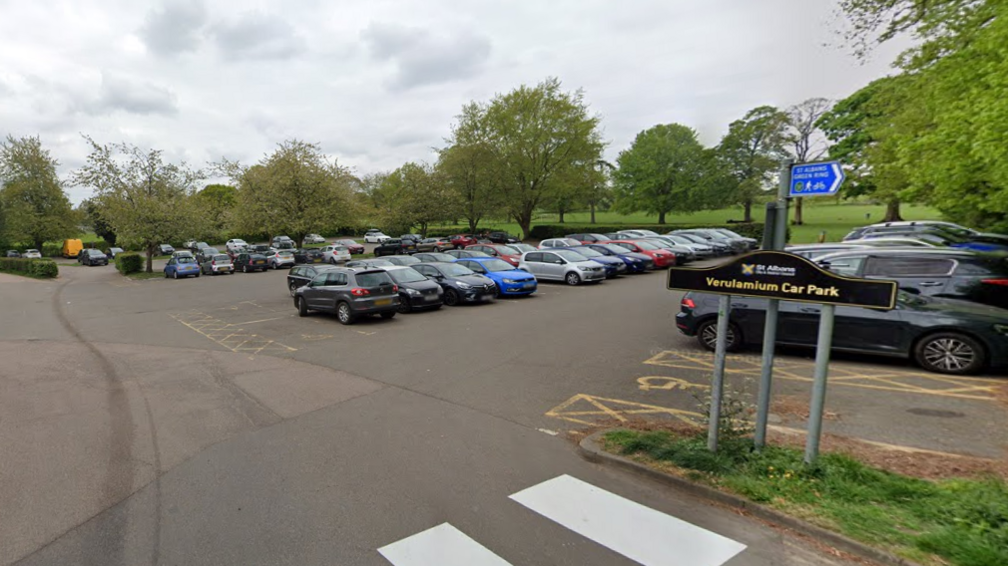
{"x":949,"y":354}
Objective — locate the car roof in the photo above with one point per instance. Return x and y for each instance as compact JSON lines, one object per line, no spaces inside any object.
{"x":898,"y":251}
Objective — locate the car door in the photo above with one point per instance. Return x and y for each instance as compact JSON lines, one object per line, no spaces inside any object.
{"x":534,"y":263}
{"x":553,"y":265}
{"x":854,"y":328}
{"x":170,"y":268}
{"x":926,"y":275}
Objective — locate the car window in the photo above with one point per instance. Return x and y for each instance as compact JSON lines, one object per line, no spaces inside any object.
{"x":373,"y":278}
{"x":908,"y":266}
{"x":588,"y":252}
{"x":570,"y":255}
{"x":507,"y":250}
{"x":850,"y":265}
{"x":406,"y":276}
{"x":172,"y":261}
{"x":455,"y":270}
{"x":551,"y":258}
{"x":425,"y":270}
{"x":474,"y":266}
{"x":534,"y":256}
{"x":221,"y":257}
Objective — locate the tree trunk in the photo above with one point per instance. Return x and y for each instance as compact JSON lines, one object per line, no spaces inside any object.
{"x":38,"y":244}
{"x":661,"y":217}
{"x":472,"y":225}
{"x":423,"y":229}
{"x":798,"y":221}
{"x":561,"y":216}
{"x":747,"y":217}
{"x":592,"y":206}
{"x":525,"y":223}
{"x":150,"y":259}
{"x":892,"y":213}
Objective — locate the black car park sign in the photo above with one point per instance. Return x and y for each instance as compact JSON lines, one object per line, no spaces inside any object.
{"x":784,"y":276}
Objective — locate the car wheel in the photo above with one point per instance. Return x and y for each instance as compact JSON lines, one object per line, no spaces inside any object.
{"x":174,"y":274}
{"x":451,"y":297}
{"x":707,"y":336}
{"x":572,"y":278}
{"x":302,"y":306}
{"x":950,"y":352}
{"x":293,"y":288}
{"x":166,"y":274}
{"x":388,"y":314}
{"x":274,"y":266}
{"x":344,"y":314}
{"x":245,"y":268}
{"x":404,"y":305}
{"x":332,"y":260}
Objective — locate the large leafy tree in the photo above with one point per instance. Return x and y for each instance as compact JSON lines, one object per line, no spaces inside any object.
{"x":752,"y":150}
{"x":806,"y":140}
{"x":36,"y":208}
{"x":666,"y":169}
{"x":466,"y":167}
{"x":145,"y":200}
{"x":415,"y":195}
{"x":92,"y":212}
{"x":217,"y":203}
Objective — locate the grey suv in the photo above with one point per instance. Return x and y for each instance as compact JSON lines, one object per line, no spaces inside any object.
{"x":350,"y":293}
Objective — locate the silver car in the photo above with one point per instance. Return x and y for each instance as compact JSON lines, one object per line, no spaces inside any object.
{"x":280,"y":258}
{"x":217,"y":263}
{"x":702,"y":251}
{"x":562,"y":265}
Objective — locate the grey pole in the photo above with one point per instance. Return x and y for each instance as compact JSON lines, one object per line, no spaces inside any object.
{"x":717,"y":383}
{"x":822,"y":359}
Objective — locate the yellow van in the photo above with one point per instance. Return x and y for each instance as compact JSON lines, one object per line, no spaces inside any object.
{"x":72,"y":247}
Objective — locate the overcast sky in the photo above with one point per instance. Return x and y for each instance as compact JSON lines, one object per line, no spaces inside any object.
{"x":378,"y":82}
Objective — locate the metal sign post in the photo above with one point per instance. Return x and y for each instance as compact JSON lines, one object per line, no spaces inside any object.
{"x":818,"y":403}
{"x":717,"y":382}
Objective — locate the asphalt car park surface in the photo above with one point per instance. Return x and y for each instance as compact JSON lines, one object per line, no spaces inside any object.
{"x":205,"y":422}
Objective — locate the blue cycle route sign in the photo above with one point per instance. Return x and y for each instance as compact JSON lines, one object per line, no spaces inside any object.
{"x":816,"y":179}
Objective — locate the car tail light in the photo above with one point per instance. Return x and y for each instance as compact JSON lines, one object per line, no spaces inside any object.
{"x":996,"y":282}
{"x":395,"y":288}
{"x":213,"y":262}
{"x":688,"y":303}
{"x":358,"y":292}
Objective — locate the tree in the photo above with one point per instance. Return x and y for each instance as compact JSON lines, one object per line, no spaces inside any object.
{"x":664,"y":170}
{"x":467,"y":168}
{"x":535,"y":135}
{"x":752,"y":150}
{"x":415,"y":195}
{"x":806,"y":146}
{"x":92,"y":212}
{"x":217,"y":203}
{"x":295,"y":191}
{"x":36,"y":208}
{"x":145,"y":200}
{"x":599,"y":193}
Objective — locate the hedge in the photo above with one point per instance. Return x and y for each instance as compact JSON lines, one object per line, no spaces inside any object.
{"x":543,"y":231}
{"x":42,"y":268}
{"x":128,"y":263}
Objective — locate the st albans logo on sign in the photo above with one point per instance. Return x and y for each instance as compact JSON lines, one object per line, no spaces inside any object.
{"x":780,"y":275}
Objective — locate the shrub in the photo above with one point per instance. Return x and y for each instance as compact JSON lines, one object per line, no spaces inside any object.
{"x":52,"y":249}
{"x":128,"y":263}
{"x":543,"y":231}
{"x":41,"y":268}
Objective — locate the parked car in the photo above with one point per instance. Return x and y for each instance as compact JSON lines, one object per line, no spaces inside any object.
{"x":92,"y":256}
{"x":351,"y":245}
{"x":35,"y":254}
{"x":958,"y":274}
{"x":414,"y":237}
{"x":510,"y":281}
{"x":111,"y":252}
{"x":250,"y":261}
{"x":499,"y":237}
{"x":701,"y":251}
{"x":562,"y":265}
{"x":403,"y":260}
{"x":941,"y":335}
{"x":460,"y":284}
{"x":660,"y":257}
{"x":374,"y":236}
{"x":281,"y":258}
{"x":181,"y":266}
{"x":189,"y":244}
{"x":416,"y":291}
{"x":196,"y":247}
{"x":313,"y":239}
{"x":277,"y":241}
{"x":446,"y":257}
{"x":614,"y":266}
{"x":925,"y":225}
{"x":235,"y":245}
{"x":720,"y":248}
{"x":558,"y":243}
{"x":630,"y":234}
{"x":432,"y":245}
{"x":461,"y":253}
{"x":205,"y":254}
{"x":505,"y":252}
{"x":939,"y":238}
{"x":815,"y":251}
{"x":308,"y":255}
{"x":13,"y":253}
{"x":395,"y":246}
{"x":183,"y":253}
{"x":335,"y":254}
{"x":261,"y":249}
{"x":683,"y":254}
{"x":358,"y":263}
{"x":522,"y":248}
{"x":635,"y":262}
{"x":350,"y":293}
{"x":589,"y":238}
{"x":166,"y":249}
{"x":217,"y":264}
{"x":301,"y":275}
{"x":737,"y":244}
{"x":462,"y":240}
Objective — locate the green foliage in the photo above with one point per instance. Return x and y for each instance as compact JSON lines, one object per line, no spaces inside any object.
{"x":40,"y":268}
{"x":128,"y":263}
{"x":216,"y":203}
{"x":93,"y":213}
{"x":544,"y":231}
{"x":35,"y":206}
{"x":468,"y":169}
{"x":413,"y":195}
{"x":964,"y":521}
{"x":751,"y":151}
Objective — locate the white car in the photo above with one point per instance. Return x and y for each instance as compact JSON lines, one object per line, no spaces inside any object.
{"x":333,"y":254}
{"x":375,"y":237}
{"x":32,"y":254}
{"x":235,"y":245}
{"x":562,"y":265}
{"x":558,"y":243}
{"x":314,"y":239}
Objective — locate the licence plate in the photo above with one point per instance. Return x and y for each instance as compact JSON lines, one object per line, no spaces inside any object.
{"x":382,"y":302}
{"x":257,"y":262}
{"x":528,"y":285}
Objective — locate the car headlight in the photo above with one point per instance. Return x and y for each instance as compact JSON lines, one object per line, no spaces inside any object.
{"x":412,"y":292}
{"x":510,"y":281}
{"x":464,"y":285}
{"x":1001,"y":329}
{"x":583,"y":268}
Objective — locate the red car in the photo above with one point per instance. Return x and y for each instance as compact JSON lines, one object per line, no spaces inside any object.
{"x":661,"y":257}
{"x":351,"y":245}
{"x":462,"y":240}
{"x":503,"y":251}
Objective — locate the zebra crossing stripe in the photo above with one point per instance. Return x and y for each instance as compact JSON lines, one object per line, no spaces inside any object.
{"x":443,"y":545}
{"x":646,"y":536}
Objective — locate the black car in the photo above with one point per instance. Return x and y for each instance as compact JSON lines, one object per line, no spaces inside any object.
{"x":204,"y":254}
{"x":247,"y":261}
{"x":414,"y":237}
{"x":112,"y":252}
{"x":301,"y":275}
{"x":197,"y":246}
{"x":460,"y":284}
{"x":92,"y":256}
{"x":720,"y":248}
{"x":459,"y":254}
{"x":501,"y":238}
{"x":403,"y":260}
{"x":166,"y":249}
{"x":416,"y":291}
{"x":957,"y":274}
{"x":13,"y":253}
{"x":350,"y":293}
{"x":369,"y":263}
{"x":926,"y":226}
{"x":308,"y":255}
{"x":445,"y":257}
{"x":941,"y":335}
{"x":736,"y":244}
{"x":263,"y":249}
{"x":395,"y":246}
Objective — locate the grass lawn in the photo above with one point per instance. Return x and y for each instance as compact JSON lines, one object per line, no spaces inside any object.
{"x":962,"y":521}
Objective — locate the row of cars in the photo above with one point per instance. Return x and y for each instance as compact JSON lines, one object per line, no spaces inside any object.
{"x":952,"y":309}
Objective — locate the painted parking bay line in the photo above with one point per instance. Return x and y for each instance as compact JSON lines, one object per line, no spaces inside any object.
{"x":443,"y":545}
{"x":640,"y":533}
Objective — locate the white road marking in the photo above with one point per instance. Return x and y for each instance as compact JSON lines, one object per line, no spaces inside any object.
{"x":546,"y":430}
{"x":640,"y":533}
{"x":443,"y":545}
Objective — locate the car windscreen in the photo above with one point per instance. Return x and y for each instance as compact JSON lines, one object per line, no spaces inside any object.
{"x":647,"y":246}
{"x":440,"y":257}
{"x":408,"y":275}
{"x":614,"y":248}
{"x":507,"y":250}
{"x":285,"y":253}
{"x":570,"y":255}
{"x":588,"y":252}
{"x":373,"y":278}
{"x":522,"y":248}
{"x":95,"y":252}
{"x":694,"y":238}
{"x":497,"y":265}
{"x":454,"y":270}
{"x":186,"y":259}
{"x":222,"y":257}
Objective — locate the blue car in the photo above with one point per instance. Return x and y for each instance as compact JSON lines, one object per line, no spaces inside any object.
{"x":182,"y":266}
{"x":613,"y":265}
{"x":509,"y":281}
{"x":635,"y":262}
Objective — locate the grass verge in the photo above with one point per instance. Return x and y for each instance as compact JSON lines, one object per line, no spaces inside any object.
{"x":955,"y":521}
{"x":145,"y":275}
